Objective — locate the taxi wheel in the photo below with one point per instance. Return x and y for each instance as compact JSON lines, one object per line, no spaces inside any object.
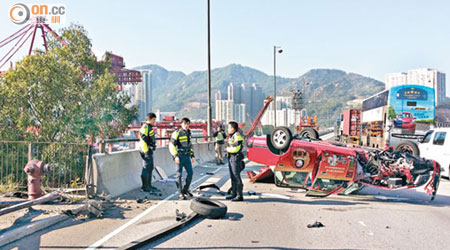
{"x":281,"y":138}
{"x":309,"y":133}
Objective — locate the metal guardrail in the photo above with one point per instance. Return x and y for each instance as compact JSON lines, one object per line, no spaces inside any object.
{"x":68,"y":161}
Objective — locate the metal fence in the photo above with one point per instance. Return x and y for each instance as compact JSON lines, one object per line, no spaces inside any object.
{"x":67,"y":160}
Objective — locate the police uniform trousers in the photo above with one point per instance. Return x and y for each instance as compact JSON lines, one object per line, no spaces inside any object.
{"x":147,"y":170}
{"x":185,"y":162}
{"x":235,"y":167}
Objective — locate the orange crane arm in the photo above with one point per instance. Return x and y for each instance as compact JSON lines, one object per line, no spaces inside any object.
{"x":255,"y":123}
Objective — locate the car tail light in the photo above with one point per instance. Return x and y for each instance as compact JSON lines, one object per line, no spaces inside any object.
{"x":299,"y":163}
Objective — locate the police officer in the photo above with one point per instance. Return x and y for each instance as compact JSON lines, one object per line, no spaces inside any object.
{"x":220,"y":144}
{"x":235,"y":161}
{"x":181,"y":149}
{"x":148,"y":145}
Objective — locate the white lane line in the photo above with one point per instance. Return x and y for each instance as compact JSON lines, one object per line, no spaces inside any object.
{"x":364,"y":225}
{"x":139,"y":216}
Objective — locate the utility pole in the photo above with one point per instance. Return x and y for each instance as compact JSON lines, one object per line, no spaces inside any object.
{"x":209,"y":79}
{"x":275,"y":84}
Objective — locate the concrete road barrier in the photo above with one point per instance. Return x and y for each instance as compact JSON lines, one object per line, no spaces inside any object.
{"x":119,"y":172}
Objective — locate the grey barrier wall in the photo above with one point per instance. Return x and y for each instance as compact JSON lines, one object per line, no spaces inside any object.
{"x":119,"y":172}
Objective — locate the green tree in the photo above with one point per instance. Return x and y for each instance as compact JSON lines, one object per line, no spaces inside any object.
{"x":63,"y":95}
{"x":391,"y":113}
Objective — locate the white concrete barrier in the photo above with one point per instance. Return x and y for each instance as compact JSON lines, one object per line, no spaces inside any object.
{"x":119,"y":172}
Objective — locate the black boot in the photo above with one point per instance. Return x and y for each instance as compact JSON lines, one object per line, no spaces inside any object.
{"x":187,"y":193}
{"x":239,"y":196}
{"x":180,"y":192}
{"x":233,"y":192}
{"x":145,"y":186}
{"x":150,"y":186}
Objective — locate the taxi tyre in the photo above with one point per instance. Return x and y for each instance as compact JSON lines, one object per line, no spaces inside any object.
{"x":309,"y":133}
{"x":281,"y":138}
{"x":210,"y":208}
{"x":408,"y":146}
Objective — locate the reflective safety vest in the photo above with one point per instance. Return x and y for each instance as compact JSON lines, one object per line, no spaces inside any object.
{"x":180,"y":143}
{"x":235,"y":143}
{"x":147,"y":137}
{"x":219,"y":137}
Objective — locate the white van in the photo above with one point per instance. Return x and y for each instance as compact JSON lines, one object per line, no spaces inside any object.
{"x":436,"y":146}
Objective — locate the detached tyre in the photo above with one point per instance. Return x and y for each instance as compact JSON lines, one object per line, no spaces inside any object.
{"x":281,"y":138}
{"x":309,"y":133}
{"x":408,"y":147}
{"x":208,"y":207}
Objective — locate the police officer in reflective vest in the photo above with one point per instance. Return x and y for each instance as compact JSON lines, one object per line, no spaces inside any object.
{"x":181,"y":149}
{"x":220,"y":145}
{"x":235,"y":143}
{"x":148,"y":145}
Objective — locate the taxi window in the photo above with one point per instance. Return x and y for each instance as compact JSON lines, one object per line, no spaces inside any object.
{"x":427,"y":137}
{"x":439,"y":138}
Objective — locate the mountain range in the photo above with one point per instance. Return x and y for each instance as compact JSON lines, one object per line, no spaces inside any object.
{"x":327,"y":91}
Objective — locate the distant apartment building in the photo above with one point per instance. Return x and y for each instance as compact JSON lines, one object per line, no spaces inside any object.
{"x":426,"y":77}
{"x":257,"y":100}
{"x":286,"y":116}
{"x":234,"y":92}
{"x":249,"y":94}
{"x":224,"y":110}
{"x":227,"y":110}
{"x":242,"y":101}
{"x":396,"y":79}
{"x":141,"y":94}
{"x":239,"y":112}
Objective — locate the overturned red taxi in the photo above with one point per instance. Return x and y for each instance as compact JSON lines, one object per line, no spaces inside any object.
{"x":325,"y":168}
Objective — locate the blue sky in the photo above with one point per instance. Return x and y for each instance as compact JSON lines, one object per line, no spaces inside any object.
{"x":372,"y":37}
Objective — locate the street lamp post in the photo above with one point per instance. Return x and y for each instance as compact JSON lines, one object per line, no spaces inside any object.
{"x":275,"y":50}
{"x":209,"y":79}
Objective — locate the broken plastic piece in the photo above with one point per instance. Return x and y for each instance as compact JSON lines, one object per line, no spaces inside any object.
{"x":251,"y":192}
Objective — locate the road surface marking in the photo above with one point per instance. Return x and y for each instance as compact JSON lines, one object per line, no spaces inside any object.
{"x":139,"y":216}
{"x":364,"y":225}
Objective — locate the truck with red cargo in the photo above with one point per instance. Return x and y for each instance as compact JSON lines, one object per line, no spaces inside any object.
{"x":348,"y":128}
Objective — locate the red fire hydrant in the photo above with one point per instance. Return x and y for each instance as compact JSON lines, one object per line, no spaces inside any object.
{"x":35,"y":169}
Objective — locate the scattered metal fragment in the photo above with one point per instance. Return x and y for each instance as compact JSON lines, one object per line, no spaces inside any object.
{"x":316,"y":224}
{"x":51,"y":196}
{"x":255,"y":241}
{"x":209,"y":173}
{"x":213,"y":185}
{"x":180,"y":216}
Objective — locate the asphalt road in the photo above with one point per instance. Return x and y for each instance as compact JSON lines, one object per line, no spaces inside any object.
{"x":276,"y":218}
{"x":370,"y":220}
